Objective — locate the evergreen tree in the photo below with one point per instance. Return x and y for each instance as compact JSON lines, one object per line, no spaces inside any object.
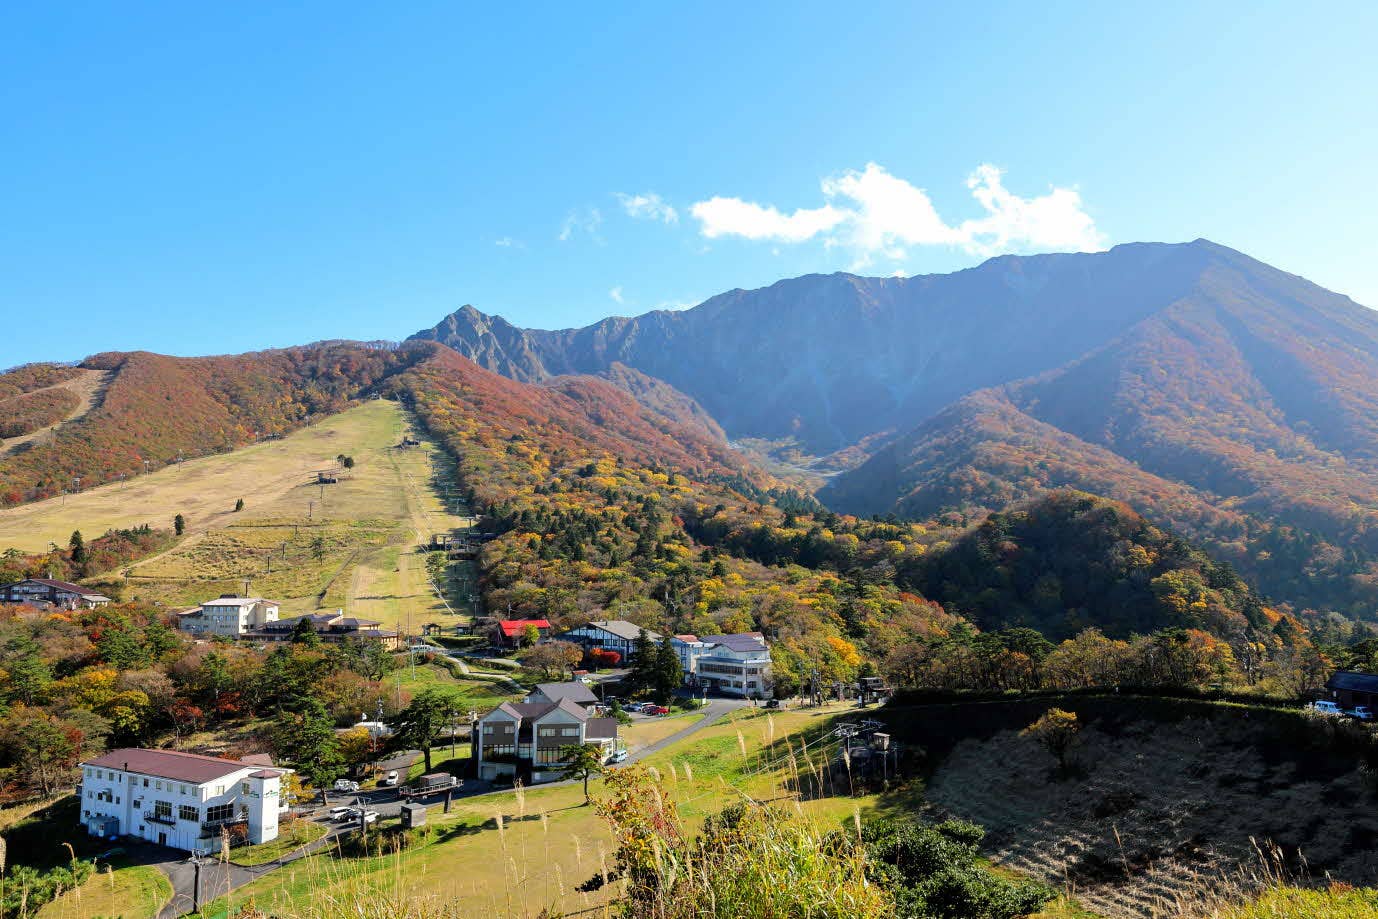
{"x":78,"y":547}
{"x":430,"y":714}
{"x":304,"y":633}
{"x":306,"y":738}
{"x":641,"y":668}
{"x":179,"y":524}
{"x":667,"y":675}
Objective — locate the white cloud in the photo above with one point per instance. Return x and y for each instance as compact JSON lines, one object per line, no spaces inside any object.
{"x":616,"y":294}
{"x":877,"y":214}
{"x":735,"y":217}
{"x":648,"y":206}
{"x":507,"y":242}
{"x":585,"y":221}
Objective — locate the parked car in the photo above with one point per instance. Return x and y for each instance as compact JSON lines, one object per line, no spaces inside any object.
{"x":1326,"y":708}
{"x":657,"y":710}
{"x":346,"y":785}
{"x":390,"y":779}
{"x":353,"y":815}
{"x":340,"y":813}
{"x":618,"y":756}
{"x":1361,"y":712}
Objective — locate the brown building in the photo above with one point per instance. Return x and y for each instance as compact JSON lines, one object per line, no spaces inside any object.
{"x":61,"y":594}
{"x":1349,"y":689}
{"x":334,"y":626}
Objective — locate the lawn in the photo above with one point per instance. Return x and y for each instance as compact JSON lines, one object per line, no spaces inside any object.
{"x":643,"y":733}
{"x":514,"y":853}
{"x":117,"y":889}
{"x":354,"y":545}
{"x":292,"y":836}
{"x":203,"y":490}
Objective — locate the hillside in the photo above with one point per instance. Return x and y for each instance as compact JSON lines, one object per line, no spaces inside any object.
{"x":156,"y":410}
{"x":1224,"y":398}
{"x":1070,"y":561}
{"x":1168,"y":802}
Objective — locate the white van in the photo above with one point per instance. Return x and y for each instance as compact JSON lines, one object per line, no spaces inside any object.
{"x":1326,"y":708}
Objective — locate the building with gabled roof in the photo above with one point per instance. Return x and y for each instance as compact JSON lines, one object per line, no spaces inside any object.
{"x":609,"y":634}
{"x":61,"y":594}
{"x":512,"y":631}
{"x":576,"y":692}
{"x":522,"y":741}
{"x":182,"y":800}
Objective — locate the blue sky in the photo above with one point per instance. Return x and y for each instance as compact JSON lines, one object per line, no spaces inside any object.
{"x":197,"y":178}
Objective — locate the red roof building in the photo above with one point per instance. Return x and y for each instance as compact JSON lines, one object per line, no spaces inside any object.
{"x":513,"y":629}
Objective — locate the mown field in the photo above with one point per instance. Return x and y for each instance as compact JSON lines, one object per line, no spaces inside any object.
{"x":351,"y":545}
{"x":514,"y":853}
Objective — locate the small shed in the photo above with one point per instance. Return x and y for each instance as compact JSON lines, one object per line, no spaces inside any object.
{"x":413,"y":815}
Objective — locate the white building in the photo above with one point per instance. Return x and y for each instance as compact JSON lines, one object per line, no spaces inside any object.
{"x":229,"y":616}
{"x":734,"y":665}
{"x":182,"y":800}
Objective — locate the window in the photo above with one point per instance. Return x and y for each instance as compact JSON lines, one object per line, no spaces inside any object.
{"x":570,"y":732}
{"x":162,"y":808}
{"x":219,"y":812}
{"x":186,"y":812}
{"x":145,"y":783}
{"x":182,"y":789}
{"x":219,"y":790}
{"x":158,"y":786}
{"x":491,"y":751}
{"x":546,"y":732}
{"x":547,"y":755}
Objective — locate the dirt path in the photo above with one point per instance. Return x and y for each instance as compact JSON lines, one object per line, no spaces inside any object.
{"x":88,"y":387}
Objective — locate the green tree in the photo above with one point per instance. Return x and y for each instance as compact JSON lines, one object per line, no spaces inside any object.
{"x":179,"y":524}
{"x":580,"y":762}
{"x":78,"y":548}
{"x":304,"y":633}
{"x":419,"y":724}
{"x":43,"y":747}
{"x":642,"y":666}
{"x":530,"y":635}
{"x":239,"y":505}
{"x":1058,"y":731}
{"x":28,"y":674}
{"x":667,"y":676}
{"x":306,"y":738}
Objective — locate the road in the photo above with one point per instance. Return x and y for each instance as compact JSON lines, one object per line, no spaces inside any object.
{"x":218,"y":879}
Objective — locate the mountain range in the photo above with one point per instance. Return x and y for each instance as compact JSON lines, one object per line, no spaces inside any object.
{"x":1220,"y":396}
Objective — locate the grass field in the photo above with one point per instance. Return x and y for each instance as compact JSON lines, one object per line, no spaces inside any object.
{"x":352,"y":545}
{"x":292,"y":836}
{"x":514,"y":853}
{"x":128,"y":891}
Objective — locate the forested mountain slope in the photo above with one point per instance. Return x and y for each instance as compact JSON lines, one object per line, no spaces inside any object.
{"x":1231,"y":401}
{"x":1243,"y":415}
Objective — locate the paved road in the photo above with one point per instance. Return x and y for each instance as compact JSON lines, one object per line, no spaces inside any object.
{"x":218,"y":879}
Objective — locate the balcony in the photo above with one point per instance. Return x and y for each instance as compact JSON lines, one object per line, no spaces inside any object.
{"x":158,"y":817}
{"x":213,"y":827}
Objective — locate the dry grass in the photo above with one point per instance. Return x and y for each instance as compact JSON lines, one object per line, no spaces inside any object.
{"x":1160,"y":815}
{"x":128,"y":891}
{"x":369,"y":524}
